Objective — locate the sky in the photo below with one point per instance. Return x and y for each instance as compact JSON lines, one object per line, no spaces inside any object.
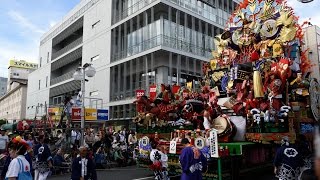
{"x":23,"y":22}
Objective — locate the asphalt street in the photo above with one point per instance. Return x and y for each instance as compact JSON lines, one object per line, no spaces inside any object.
{"x":134,"y":173}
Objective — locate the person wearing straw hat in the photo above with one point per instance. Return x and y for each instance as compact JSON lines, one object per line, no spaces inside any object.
{"x":19,"y":167}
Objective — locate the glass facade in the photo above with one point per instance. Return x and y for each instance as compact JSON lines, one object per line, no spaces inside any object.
{"x":214,"y":14}
{"x":172,"y":35}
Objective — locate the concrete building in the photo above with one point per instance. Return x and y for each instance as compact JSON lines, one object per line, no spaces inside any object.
{"x":13,"y":103}
{"x":18,"y":72}
{"x":312,"y":41}
{"x":3,"y":86}
{"x":132,"y":44}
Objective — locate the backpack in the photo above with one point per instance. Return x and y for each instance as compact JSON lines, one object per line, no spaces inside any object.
{"x":23,"y":175}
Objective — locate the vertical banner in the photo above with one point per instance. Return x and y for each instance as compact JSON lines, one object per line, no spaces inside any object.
{"x":189,"y":85}
{"x":153,"y":92}
{"x":175,"y":91}
{"x":140,"y":93}
{"x":213,"y":143}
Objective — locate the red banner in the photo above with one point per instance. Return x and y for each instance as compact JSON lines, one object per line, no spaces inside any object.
{"x":175,"y":89}
{"x":153,"y":92}
{"x":76,"y":114}
{"x":140,"y":93}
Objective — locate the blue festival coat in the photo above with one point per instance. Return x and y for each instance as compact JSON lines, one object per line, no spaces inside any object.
{"x":193,"y":163}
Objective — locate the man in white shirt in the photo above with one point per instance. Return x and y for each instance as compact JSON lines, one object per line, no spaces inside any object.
{"x":4,"y":140}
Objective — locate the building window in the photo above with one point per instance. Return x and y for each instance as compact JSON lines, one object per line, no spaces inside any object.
{"x":94,"y":58}
{"x":40,"y":61}
{"x":46,"y":81}
{"x":95,"y":24}
{"x":39,"y":84}
{"x":48,"y":54}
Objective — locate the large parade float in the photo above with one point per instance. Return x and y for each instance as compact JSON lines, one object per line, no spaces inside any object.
{"x":254,"y":91}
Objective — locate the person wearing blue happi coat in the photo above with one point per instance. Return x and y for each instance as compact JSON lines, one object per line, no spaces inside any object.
{"x":192,"y":161}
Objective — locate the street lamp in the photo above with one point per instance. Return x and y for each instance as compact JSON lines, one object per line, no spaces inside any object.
{"x":305,"y":1}
{"x":80,"y":75}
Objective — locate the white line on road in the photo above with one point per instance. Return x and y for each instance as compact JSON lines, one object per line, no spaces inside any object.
{"x":151,"y":177}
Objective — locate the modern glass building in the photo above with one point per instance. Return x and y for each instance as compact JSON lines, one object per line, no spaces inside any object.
{"x":132,"y":44}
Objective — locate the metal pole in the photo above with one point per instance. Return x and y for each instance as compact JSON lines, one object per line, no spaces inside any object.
{"x":82,"y":106}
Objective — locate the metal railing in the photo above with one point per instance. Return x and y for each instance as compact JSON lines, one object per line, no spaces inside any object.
{"x":201,"y":11}
{"x":163,"y":40}
{"x":62,"y":78}
{"x":67,"y":48}
{"x":132,"y":9}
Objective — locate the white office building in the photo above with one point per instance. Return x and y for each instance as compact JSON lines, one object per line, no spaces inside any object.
{"x":132,"y":44}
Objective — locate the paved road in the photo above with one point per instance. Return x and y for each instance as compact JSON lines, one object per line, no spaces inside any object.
{"x":134,"y":173}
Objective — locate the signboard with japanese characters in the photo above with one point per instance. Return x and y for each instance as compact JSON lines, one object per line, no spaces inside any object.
{"x":213,"y":143}
{"x":23,"y":64}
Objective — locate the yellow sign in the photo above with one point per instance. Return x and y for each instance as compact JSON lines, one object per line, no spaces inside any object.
{"x":91,"y":114}
{"x":55,"y":113}
{"x":23,"y":64}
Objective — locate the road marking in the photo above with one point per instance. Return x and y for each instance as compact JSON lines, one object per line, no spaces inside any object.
{"x":152,"y":177}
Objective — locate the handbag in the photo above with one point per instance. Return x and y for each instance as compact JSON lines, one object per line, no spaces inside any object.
{"x":23,"y":175}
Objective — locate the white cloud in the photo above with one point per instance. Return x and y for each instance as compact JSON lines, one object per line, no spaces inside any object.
{"x":24,"y":22}
{"x":52,"y":23}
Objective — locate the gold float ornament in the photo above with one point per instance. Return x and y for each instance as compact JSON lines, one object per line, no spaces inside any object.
{"x":216,"y":76}
{"x":257,"y":85}
{"x":277,"y":50}
{"x":220,"y":43}
{"x":213,"y":64}
{"x":287,"y":34}
{"x":286,"y":19}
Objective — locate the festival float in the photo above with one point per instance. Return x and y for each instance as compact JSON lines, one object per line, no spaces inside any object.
{"x":255,"y":90}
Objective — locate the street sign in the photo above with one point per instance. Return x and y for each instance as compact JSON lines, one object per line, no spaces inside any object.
{"x":103,"y":114}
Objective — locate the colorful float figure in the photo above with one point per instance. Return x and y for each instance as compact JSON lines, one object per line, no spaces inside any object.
{"x":254,"y":90}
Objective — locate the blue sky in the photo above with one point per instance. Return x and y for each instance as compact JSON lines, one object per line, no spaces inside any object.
{"x":23,"y":22}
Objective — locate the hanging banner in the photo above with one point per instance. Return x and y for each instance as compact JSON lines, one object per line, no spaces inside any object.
{"x":153,"y":92}
{"x":189,"y":85}
{"x":213,"y":143}
{"x":90,"y":114}
{"x":140,"y":93}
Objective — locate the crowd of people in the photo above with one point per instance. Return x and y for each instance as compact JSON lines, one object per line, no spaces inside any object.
{"x":42,"y":153}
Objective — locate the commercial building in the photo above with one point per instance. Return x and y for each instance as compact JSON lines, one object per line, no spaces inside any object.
{"x":13,"y":102}
{"x":3,"y":86}
{"x":132,"y":44}
{"x":312,"y":42}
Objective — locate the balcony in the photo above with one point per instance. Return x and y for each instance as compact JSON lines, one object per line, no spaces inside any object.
{"x":162,"y":40}
{"x":207,"y":12}
{"x":62,"y":78}
{"x":133,"y":9}
{"x":67,"y":48}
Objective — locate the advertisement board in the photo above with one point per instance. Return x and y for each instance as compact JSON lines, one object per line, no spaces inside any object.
{"x":23,"y":64}
{"x":103,"y":114}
